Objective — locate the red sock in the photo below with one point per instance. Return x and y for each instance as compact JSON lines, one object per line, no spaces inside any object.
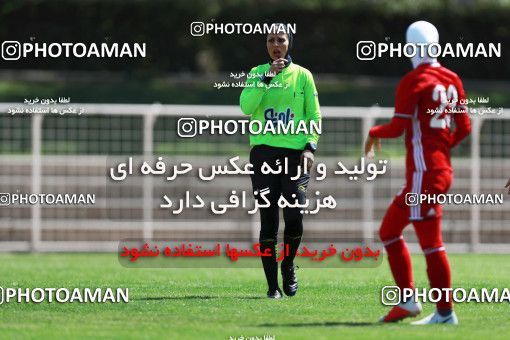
{"x":438,"y":270}
{"x":390,"y":233}
{"x":400,"y":263}
{"x":438,"y":267}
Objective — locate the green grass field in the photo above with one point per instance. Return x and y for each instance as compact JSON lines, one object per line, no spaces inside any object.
{"x":219,"y":303}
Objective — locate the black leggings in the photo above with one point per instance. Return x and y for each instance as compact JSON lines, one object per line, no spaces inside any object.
{"x":278,"y":184}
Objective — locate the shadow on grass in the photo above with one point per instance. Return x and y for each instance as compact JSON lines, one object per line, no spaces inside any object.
{"x":198,"y":297}
{"x":322,"y":324}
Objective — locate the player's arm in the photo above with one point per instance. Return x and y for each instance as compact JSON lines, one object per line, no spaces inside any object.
{"x":405,"y":104}
{"x":395,"y":128}
{"x":312,"y":114}
{"x":253,"y":93}
{"x":312,"y":107}
{"x":257,"y":86}
{"x":461,"y":117}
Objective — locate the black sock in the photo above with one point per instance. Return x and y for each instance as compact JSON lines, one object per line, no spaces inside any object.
{"x":292,"y":242}
{"x":269,"y":263}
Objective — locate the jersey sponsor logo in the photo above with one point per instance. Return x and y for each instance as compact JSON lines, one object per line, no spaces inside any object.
{"x":285,"y":117}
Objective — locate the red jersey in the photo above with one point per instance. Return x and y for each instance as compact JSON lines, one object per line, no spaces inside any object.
{"x":428,"y":99}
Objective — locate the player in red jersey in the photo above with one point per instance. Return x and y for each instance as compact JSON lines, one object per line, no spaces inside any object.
{"x":428,"y":99}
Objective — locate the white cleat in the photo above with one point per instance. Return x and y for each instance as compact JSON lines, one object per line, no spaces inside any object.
{"x":435,"y":318}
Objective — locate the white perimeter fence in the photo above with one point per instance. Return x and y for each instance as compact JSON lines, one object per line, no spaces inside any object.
{"x":135,"y":213}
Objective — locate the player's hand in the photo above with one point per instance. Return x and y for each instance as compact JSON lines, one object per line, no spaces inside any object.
{"x":278,"y":65}
{"x":508,"y":185}
{"x":370,"y":143}
{"x":308,"y":155}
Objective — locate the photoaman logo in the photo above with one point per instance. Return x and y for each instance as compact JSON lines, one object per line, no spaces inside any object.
{"x":15,"y":50}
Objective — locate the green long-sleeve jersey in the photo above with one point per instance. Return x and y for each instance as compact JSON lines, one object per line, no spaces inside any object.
{"x":296,"y":100}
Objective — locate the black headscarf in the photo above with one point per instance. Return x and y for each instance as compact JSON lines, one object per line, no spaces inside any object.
{"x":291,"y":42}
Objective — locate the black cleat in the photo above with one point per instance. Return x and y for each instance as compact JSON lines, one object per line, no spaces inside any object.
{"x":290,"y":284}
{"x":275,"y":294}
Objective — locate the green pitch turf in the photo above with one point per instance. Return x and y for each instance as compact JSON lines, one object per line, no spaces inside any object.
{"x":219,"y":303}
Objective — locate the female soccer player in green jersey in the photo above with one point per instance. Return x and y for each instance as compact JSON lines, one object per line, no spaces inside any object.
{"x":281,"y":93}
